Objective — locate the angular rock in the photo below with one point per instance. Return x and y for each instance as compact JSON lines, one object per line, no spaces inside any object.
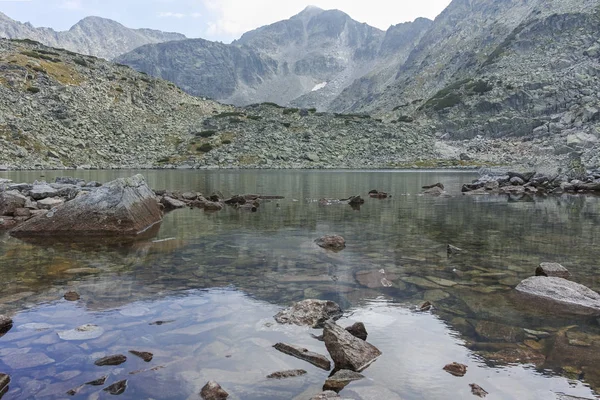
{"x":171,"y":203}
{"x":97,"y":382}
{"x":72,"y":296}
{"x":570,"y":296}
{"x":331,"y":242}
{"x":144,"y":355}
{"x":10,"y":201}
{"x":456,"y":369}
{"x":438,"y":185}
{"x":347,"y":351}
{"x":286,"y":374}
{"x":552,"y":269}
{"x":116,"y":359}
{"x":4,"y":382}
{"x":123,"y":207}
{"x":315,"y":359}
{"x":50,"y":202}
{"x":358,"y":330}
{"x":356,"y":201}
{"x":376,"y":194}
{"x":41,"y":191}
{"x":5,"y":324}
{"x":213,"y":391}
{"x":478,"y":390}
{"x":341,"y":379}
{"x":452,"y":250}
{"x":116,"y":388}
{"x":309,"y":312}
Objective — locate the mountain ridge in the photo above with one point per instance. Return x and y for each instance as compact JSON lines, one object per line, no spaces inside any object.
{"x":95,"y":36}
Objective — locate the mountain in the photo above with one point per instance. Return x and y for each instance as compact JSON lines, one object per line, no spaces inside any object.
{"x":59,"y":109}
{"x":93,"y":36}
{"x":306,"y":60}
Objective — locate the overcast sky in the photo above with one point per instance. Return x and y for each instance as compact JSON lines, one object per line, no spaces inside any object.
{"x":222,"y":20}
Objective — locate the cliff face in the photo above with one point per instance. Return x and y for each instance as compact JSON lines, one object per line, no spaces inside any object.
{"x":306,"y":61}
{"x":93,"y":36}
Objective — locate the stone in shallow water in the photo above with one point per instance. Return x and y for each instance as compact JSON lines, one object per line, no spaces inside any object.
{"x":347,"y":351}
{"x":83,"y":332}
{"x":456,"y":369}
{"x":554,"y":292}
{"x":29,"y":360}
{"x":117,"y":387}
{"x":494,"y":332}
{"x":331,"y":242}
{"x":5,"y":324}
{"x":144,"y":355}
{"x":71,"y":296}
{"x":115,"y":359}
{"x":552,"y":269}
{"x":341,"y":379}
{"x":358,"y":330}
{"x":4,"y":381}
{"x":478,"y":390}
{"x":329,"y":394}
{"x":213,"y":391}
{"x":286,"y":374}
{"x":309,"y":312}
{"x":315,"y":359}
{"x":97,"y":382}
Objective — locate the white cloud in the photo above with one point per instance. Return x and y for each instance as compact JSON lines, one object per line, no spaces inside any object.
{"x":72,"y":5}
{"x":169,"y":14}
{"x":231,"y":17}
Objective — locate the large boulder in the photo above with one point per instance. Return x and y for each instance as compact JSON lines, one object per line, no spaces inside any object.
{"x":123,"y":207}
{"x":347,"y":351}
{"x":561,"y":295}
{"x":10,"y":201}
{"x":309,"y":312}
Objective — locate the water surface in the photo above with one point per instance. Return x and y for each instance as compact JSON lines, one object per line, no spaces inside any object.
{"x":218,"y":278}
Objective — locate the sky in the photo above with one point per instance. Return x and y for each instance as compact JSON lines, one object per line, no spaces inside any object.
{"x":220,"y":20}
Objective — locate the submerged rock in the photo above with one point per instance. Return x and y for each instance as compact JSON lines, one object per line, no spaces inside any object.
{"x":328,"y":394}
{"x":213,"y":391}
{"x":331,"y":242}
{"x":71,"y":296}
{"x":456,"y":369}
{"x":341,"y":379}
{"x":315,"y":359}
{"x":116,"y":359}
{"x":552,"y":269}
{"x":123,"y":207}
{"x":286,"y":374}
{"x":347,"y":351}
{"x":5,"y":324}
{"x":309,"y":312}
{"x":452,"y":250}
{"x":358,"y":330}
{"x":4,"y":382}
{"x":97,"y":382}
{"x":144,"y":355}
{"x":571,"y":296}
{"x":478,"y":390}
{"x":83,"y":332}
{"x":116,"y":388}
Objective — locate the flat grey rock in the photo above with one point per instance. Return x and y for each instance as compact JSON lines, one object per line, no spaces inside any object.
{"x":309,"y":312}
{"x":571,"y":296}
{"x":316,"y":359}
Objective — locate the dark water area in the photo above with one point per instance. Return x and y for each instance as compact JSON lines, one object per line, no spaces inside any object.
{"x":217,"y":279}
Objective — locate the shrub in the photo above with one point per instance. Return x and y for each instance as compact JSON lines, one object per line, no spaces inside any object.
{"x":254,"y":117}
{"x":205,"y":148}
{"x":80,"y":61}
{"x":272,"y":104}
{"x":119,"y":89}
{"x":288,"y":111}
{"x":286,"y":124}
{"x":449,"y":101}
{"x":39,"y":69}
{"x":206,"y":134}
{"x":481,"y":87}
{"x":229,"y":114}
{"x":405,"y":118}
{"x":312,"y":110}
{"x":50,"y":53}
{"x":33,"y":89}
{"x":226,"y":141}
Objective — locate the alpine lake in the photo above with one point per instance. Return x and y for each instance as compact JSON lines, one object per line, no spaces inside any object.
{"x":201,"y":295}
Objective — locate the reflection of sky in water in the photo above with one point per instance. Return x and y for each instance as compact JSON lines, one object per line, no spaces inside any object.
{"x":268,"y":259}
{"x":227,"y":336}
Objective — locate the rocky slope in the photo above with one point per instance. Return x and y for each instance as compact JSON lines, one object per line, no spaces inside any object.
{"x":527,"y":71}
{"x":60,"y":110}
{"x":93,"y":36}
{"x":306,"y":60}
